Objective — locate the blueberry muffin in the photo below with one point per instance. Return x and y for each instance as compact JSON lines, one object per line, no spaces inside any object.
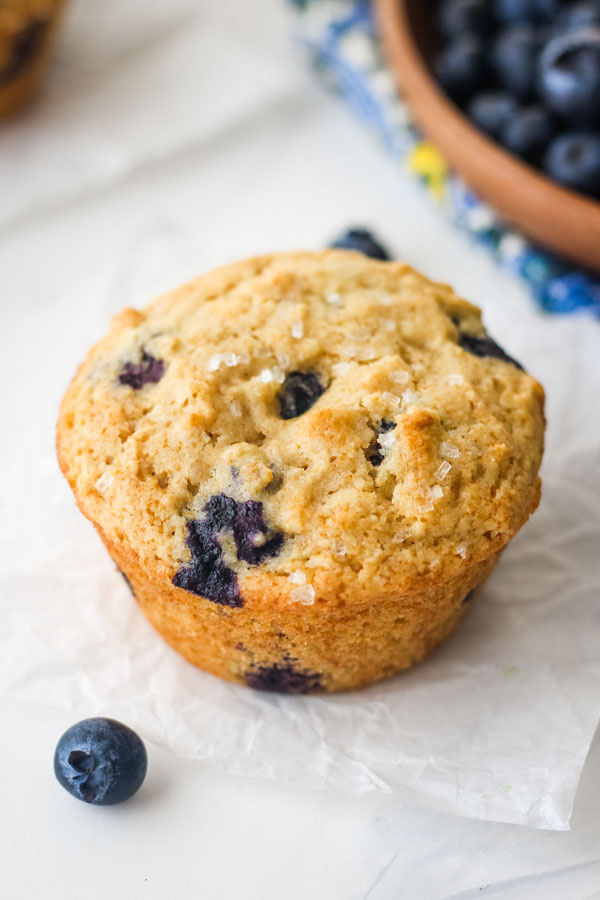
{"x":303,"y":464}
{"x":27,"y":31}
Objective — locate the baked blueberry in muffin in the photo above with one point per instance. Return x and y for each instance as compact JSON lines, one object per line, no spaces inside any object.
{"x":284,"y":678}
{"x":208,"y":575}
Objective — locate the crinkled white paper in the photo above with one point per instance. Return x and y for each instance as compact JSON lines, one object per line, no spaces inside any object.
{"x":496,"y":725}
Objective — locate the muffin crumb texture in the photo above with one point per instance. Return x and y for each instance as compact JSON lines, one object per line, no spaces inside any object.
{"x":302,"y":492}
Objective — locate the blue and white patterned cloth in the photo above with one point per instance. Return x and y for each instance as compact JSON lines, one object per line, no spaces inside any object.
{"x":345,"y":49}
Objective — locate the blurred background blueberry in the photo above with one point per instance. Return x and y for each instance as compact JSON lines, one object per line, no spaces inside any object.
{"x":528,"y":132}
{"x":573,"y":159}
{"x":577,"y":15}
{"x":459,"y":16}
{"x":527,"y":73}
{"x":492,"y":110}
{"x":570,"y":76}
{"x":514,"y":11}
{"x":362,"y":240}
{"x":462,"y":67}
{"x":515,"y":60}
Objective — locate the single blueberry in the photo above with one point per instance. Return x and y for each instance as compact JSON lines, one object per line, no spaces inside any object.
{"x":528,"y":133}
{"x":576,"y":16}
{"x":491,"y":111}
{"x":462,"y":67}
{"x":373,"y":452}
{"x":207,"y":574}
{"x":100,"y":761}
{"x":298,"y":393}
{"x":515,"y":54}
{"x":283,"y":678}
{"x":548,"y":10}
{"x":570,"y":76}
{"x":573,"y":159}
{"x":362,"y":240}
{"x":515,"y":11}
{"x":455,"y":17}
{"x":148,"y":371}
{"x":26,"y":44}
{"x":485,"y":346}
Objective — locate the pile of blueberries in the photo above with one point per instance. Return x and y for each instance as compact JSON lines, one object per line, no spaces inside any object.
{"x":527,"y":72}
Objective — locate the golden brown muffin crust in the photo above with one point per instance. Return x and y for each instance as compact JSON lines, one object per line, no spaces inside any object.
{"x":413,"y":468}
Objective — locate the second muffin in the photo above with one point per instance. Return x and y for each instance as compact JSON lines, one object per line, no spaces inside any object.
{"x":27,"y":33}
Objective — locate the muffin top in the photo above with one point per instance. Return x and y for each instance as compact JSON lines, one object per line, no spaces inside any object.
{"x":301,"y":426}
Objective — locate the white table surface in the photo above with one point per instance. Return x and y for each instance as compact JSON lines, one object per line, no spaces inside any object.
{"x":290,"y":174}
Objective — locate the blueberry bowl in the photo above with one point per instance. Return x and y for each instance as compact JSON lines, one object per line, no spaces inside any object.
{"x":565,"y":220}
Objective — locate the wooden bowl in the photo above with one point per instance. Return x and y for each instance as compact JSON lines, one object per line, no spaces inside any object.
{"x":556,"y":217}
